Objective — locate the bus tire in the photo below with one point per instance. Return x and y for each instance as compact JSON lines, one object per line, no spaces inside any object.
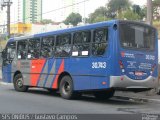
{"x":106,"y":94}
{"x":66,"y":88}
{"x":18,"y":83}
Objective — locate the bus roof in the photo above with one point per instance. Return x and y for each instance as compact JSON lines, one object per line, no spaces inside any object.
{"x":85,"y":27}
{"x":90,"y":26}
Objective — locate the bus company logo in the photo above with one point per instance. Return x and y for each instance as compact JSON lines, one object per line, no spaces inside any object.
{"x":127,"y":55}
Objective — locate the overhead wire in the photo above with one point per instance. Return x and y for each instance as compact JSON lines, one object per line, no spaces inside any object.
{"x":55,"y":10}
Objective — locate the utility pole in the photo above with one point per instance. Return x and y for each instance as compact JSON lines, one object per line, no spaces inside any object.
{"x":7,"y":3}
{"x":84,"y":13}
{"x":149,"y":12}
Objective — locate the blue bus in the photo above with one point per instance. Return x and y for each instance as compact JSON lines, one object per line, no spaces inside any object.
{"x":99,"y":58}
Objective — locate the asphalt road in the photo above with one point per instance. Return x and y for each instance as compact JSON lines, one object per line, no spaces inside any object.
{"x":41,"y":101}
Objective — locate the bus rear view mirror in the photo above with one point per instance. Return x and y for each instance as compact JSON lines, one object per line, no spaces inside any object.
{"x":3,"y":54}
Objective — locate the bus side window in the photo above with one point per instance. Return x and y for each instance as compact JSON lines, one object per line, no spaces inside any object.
{"x":81,"y":43}
{"x":100,"y":41}
{"x":34,"y":48}
{"x":63,"y":45}
{"x":47,"y":47}
{"x":22,"y":49}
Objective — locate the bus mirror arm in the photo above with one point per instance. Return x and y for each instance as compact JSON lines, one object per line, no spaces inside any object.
{"x":3,"y":54}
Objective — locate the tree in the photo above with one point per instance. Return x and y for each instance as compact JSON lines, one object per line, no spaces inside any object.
{"x":136,"y":9}
{"x":156,"y":2}
{"x":141,"y":11}
{"x":100,"y":14}
{"x":156,"y":9}
{"x":129,"y":15}
{"x":46,"y":21}
{"x":73,"y":18}
{"x":117,"y":6}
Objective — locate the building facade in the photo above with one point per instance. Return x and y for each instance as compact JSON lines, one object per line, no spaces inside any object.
{"x":32,"y":11}
{"x":20,"y":28}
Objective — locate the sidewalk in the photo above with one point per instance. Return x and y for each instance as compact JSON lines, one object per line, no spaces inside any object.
{"x":147,"y":96}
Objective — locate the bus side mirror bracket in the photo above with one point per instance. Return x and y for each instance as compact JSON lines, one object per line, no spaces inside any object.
{"x":115,"y":27}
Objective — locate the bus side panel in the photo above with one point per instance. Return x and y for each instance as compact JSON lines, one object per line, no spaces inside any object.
{"x":54,"y":69}
{"x":36,"y":70}
{"x":79,"y":68}
{"x":89,"y":73}
{"x":81,"y":82}
{"x":6,"y":71}
{"x":42,"y":70}
{"x":103,"y":66}
{"x":51,"y":73}
{"x":23,"y":66}
{"x":86,"y":76}
{"x":60,"y":68}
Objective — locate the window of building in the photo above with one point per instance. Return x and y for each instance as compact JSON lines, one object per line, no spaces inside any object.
{"x":34,"y":48}
{"x":100,"y":41}
{"x":47,"y":47}
{"x":22,"y":49}
{"x":81,"y":43}
{"x":63,"y":45}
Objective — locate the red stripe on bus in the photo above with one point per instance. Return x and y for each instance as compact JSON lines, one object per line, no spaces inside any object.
{"x":36,"y":67}
{"x":61,"y":69}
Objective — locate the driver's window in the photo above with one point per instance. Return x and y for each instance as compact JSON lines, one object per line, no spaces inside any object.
{"x":11,"y":50}
{"x":9,"y":53}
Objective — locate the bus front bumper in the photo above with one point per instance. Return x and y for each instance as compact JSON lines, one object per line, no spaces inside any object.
{"x":126,"y":82}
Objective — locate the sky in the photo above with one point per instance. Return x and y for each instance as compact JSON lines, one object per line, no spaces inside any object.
{"x":49,"y":5}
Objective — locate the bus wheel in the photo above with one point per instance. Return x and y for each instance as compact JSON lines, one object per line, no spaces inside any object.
{"x":66,"y":88}
{"x":106,"y":94}
{"x":18,"y":84}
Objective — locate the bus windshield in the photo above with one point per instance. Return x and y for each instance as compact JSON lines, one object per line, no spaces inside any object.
{"x":137,"y":36}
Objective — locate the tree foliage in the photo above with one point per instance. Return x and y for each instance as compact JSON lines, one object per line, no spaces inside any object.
{"x":129,"y":15}
{"x":74,"y":19}
{"x":100,"y":14}
{"x":156,"y":9}
{"x":117,"y":6}
{"x":156,"y":2}
{"x":141,"y":11}
{"x":46,"y":21}
{"x":122,"y":9}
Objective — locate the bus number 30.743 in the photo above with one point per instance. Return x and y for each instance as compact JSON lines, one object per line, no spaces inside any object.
{"x":98,"y":64}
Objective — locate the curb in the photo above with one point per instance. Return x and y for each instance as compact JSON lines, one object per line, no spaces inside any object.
{"x":136,"y":99}
{"x":153,"y":100}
